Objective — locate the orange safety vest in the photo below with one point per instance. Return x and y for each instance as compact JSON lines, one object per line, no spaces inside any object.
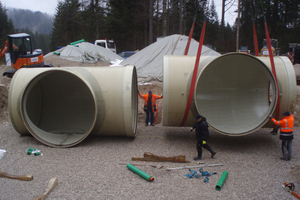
{"x":286,"y":124}
{"x":153,"y":99}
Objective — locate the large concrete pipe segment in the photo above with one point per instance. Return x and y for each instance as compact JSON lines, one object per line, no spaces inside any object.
{"x":236,"y":92}
{"x":60,"y":107}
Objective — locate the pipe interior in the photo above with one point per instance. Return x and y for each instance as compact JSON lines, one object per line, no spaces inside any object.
{"x":233,"y":93}
{"x":58,"y":108}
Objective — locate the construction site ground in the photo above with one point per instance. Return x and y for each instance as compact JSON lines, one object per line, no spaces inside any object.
{"x":91,"y":170}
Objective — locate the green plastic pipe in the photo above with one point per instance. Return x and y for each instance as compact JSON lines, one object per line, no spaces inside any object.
{"x":140,"y":172}
{"x":222,"y":180}
{"x":76,"y":42}
{"x":57,"y":53}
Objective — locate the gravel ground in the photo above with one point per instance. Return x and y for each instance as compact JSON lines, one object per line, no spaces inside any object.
{"x":91,"y":169}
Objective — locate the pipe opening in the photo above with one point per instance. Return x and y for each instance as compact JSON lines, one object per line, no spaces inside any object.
{"x":233,"y":93}
{"x":58,"y":108}
{"x":134,"y":101}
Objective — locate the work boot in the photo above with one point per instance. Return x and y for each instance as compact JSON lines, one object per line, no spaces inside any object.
{"x":274,"y":131}
{"x":289,"y":157}
{"x":197,"y":158}
{"x":146,"y":124}
{"x":284,"y":158}
{"x":213,"y":153}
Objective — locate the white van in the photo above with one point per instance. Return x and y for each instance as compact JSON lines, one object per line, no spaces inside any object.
{"x":108,"y":44}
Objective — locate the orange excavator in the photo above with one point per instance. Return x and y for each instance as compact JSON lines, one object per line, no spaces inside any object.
{"x":21,"y":54}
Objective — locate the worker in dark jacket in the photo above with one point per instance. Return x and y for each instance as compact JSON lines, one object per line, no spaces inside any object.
{"x":150,"y":105}
{"x":286,"y":134}
{"x":202,"y":135}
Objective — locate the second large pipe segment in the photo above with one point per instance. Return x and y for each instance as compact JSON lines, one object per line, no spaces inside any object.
{"x":236,"y":92}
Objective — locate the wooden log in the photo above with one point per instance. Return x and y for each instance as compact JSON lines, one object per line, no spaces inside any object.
{"x":21,"y":178}
{"x":52,"y":183}
{"x":154,"y":158}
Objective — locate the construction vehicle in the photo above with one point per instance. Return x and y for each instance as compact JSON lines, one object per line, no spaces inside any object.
{"x":21,"y":54}
{"x":274,"y":45}
{"x":294,"y":53}
{"x":107,"y":44}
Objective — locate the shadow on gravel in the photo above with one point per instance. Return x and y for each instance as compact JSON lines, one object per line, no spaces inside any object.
{"x":96,"y":140}
{"x":257,"y":140}
{"x":261,"y":139}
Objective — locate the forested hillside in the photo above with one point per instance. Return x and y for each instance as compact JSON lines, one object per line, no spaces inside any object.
{"x":37,"y":24}
{"x":33,"y":21}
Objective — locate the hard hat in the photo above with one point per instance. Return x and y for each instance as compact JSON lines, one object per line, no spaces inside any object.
{"x":286,"y":113}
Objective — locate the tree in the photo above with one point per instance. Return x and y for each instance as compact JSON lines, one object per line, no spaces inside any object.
{"x":66,"y":24}
{"x":94,"y":21}
{"x":134,"y":24}
{"x":282,"y":17}
{"x":128,"y":22}
{"x":151,"y":4}
{"x":34,"y":21}
{"x":6,"y":25}
{"x":212,"y":27}
{"x":195,"y":11}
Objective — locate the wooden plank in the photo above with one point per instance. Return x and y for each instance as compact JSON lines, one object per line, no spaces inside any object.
{"x":154,"y":158}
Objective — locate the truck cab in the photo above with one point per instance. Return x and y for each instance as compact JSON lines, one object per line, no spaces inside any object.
{"x":108,"y":44}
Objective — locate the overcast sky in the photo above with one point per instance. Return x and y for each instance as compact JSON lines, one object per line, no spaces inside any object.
{"x":48,"y":6}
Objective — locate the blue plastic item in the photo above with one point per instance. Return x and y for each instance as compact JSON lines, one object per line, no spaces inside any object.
{"x":206,"y":179}
{"x":193,"y":174}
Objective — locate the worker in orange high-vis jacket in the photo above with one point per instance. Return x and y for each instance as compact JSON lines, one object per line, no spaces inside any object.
{"x":150,"y":105}
{"x":286,"y":133}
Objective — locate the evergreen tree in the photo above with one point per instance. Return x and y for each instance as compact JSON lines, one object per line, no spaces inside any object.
{"x":6,"y":25}
{"x":126,"y":23}
{"x":195,"y":11}
{"x":94,"y":20}
{"x":67,"y":24}
{"x":212,"y":27}
{"x":282,"y":19}
{"x":246,"y":29}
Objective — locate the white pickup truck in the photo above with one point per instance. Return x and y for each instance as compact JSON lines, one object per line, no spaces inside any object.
{"x":108,"y":44}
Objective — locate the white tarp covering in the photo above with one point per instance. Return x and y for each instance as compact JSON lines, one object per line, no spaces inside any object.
{"x":89,"y":53}
{"x":149,"y":61}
